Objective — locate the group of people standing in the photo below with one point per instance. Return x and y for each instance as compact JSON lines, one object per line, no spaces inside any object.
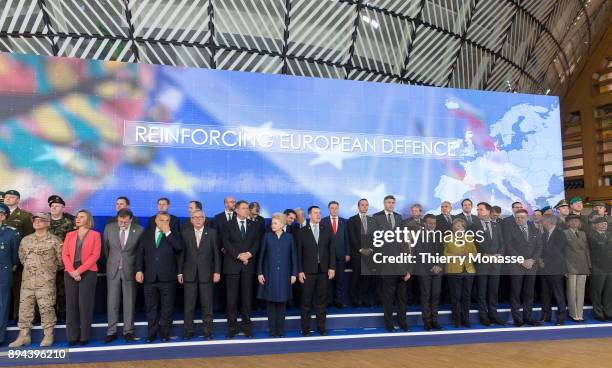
{"x":296,"y":257}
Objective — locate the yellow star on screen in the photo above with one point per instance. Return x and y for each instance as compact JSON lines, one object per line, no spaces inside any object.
{"x":174,"y":178}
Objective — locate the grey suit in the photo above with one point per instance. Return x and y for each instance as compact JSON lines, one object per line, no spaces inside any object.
{"x":120,"y":275}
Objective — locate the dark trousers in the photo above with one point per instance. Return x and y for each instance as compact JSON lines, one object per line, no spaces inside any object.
{"x":553,"y":285}
{"x":394,"y":290}
{"x":159,"y":304}
{"x":80,"y":298}
{"x":601,"y":295}
{"x":460,"y":292}
{"x":5,"y":299}
{"x":60,"y":296}
{"x":336,"y":291}
{"x":430,"y":286}
{"x":205,"y":291}
{"x":276,"y":317}
{"x":362,"y":286}
{"x":522,"y":287}
{"x":488,"y":296}
{"x":314,"y":285}
{"x":16,"y":292}
{"x":239,"y":287}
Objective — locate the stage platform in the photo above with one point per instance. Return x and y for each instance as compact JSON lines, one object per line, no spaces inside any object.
{"x":348,"y":328}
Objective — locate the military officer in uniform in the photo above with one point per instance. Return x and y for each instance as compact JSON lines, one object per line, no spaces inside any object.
{"x":41,"y":256}
{"x":9,"y":244}
{"x":21,"y":220}
{"x":600,"y":250}
{"x":61,"y":224}
{"x":1,"y":197}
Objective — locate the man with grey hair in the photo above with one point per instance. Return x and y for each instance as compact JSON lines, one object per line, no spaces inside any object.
{"x":444,"y":221}
{"x":416,"y":212}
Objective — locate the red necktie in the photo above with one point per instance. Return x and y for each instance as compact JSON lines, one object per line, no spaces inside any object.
{"x":334,"y":226}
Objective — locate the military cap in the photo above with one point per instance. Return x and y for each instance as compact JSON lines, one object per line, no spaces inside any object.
{"x":572,"y":217}
{"x":562,"y":203}
{"x":42,"y":215}
{"x":599,"y":219}
{"x":599,"y":204}
{"x":4,"y":209}
{"x":545,"y":208}
{"x":575,"y":200}
{"x":13,"y":192}
{"x":56,"y":199}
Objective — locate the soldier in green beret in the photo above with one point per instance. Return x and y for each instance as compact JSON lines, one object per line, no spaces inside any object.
{"x":61,"y":223}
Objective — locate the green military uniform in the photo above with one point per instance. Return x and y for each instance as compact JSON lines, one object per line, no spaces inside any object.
{"x":21,"y":220}
{"x":600,"y":251}
{"x":41,"y":258}
{"x":60,"y":228}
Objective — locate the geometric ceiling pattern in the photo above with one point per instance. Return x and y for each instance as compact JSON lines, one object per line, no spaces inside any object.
{"x":531,"y":46}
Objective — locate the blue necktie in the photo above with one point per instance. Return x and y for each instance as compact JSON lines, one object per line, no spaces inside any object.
{"x":242,"y":230}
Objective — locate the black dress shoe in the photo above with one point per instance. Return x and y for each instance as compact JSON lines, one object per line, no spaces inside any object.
{"x":533,"y":323}
{"x":129,"y":337}
{"x":83,"y":342}
{"x":499,"y":322}
{"x":485,"y":322}
{"x":110,"y":338}
{"x":546,"y":318}
{"x":73,"y":342}
{"x":518,"y":323}
{"x":150,"y":339}
{"x":187,"y":336}
{"x":248,"y":335}
{"x":427,"y":326}
{"x":340,"y":305}
{"x":322,"y":332}
{"x":560,"y":322}
{"x":600,"y":319}
{"x":466,"y":324}
{"x":356,"y":304}
{"x":436,"y":325}
{"x":404,"y":327}
{"x":368,"y":305}
{"x":457,"y":324}
{"x":230,"y":335}
{"x":305,"y":333}
{"x":389,"y":328}
{"x":165,"y":338}
{"x":208,"y":337}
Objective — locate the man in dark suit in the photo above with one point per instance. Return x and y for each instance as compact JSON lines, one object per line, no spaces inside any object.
{"x":466,"y":212}
{"x":511,"y":220}
{"x":199,"y":266}
{"x":222,"y":219}
{"x":158,"y":248}
{"x":394,"y":277}
{"x":192,"y":206}
{"x":316,"y":252}
{"x":522,"y":239}
{"x":122,"y":202}
{"x":241,"y":243}
{"x":416,"y":213}
{"x":444,"y":221}
{"x":430,"y":273}
{"x":163,"y":205}
{"x":488,"y":241}
{"x":338,"y":226}
{"x":553,"y":268}
{"x":359,"y":230}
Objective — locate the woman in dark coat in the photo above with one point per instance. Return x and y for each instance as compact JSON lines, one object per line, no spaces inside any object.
{"x":277,"y":271}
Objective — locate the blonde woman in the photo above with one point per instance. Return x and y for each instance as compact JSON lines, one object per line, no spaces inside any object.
{"x":460,"y":272}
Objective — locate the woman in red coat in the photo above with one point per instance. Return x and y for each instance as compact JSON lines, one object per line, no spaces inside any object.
{"x":80,"y":254}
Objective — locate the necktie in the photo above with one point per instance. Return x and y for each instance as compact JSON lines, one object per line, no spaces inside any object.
{"x":198,"y":238}
{"x":122,"y":243}
{"x":122,"y":238}
{"x":364,"y":224}
{"x":229,"y":217}
{"x":158,"y":239}
{"x":469,"y":219}
{"x":576,"y":234}
{"x":488,"y":223}
{"x":524,"y":230}
{"x":334,"y":225}
{"x":448,"y":219}
{"x":242,"y":230}
{"x":389,"y":219}
{"x":315,"y":232}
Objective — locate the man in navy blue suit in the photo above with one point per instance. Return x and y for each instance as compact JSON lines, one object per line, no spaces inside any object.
{"x":340,"y":236}
{"x":156,"y":258}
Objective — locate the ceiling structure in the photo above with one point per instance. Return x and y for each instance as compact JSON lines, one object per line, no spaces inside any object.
{"x":531,"y":46}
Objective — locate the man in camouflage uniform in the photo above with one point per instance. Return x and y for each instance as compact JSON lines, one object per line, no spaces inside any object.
{"x":21,"y":220}
{"x":9,"y":243}
{"x":61,"y":223}
{"x":41,"y":256}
